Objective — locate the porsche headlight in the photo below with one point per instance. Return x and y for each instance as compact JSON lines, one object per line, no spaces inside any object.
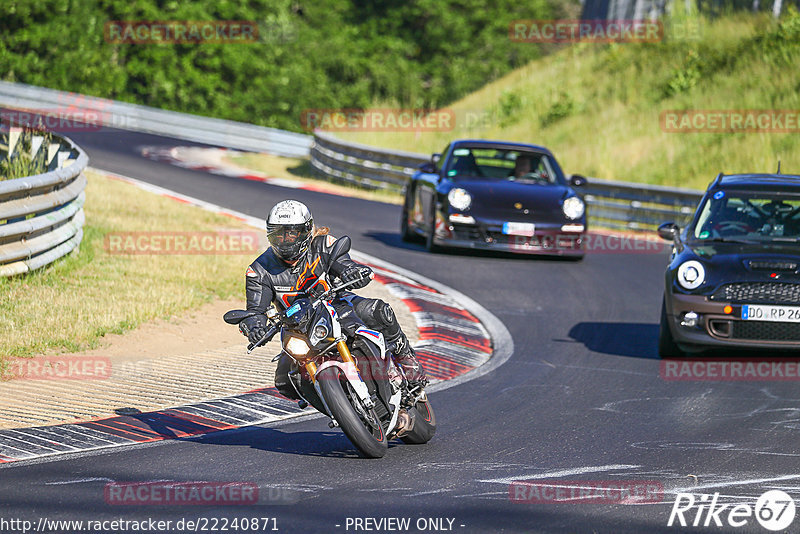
{"x":459,"y":198}
{"x":573,"y":208}
{"x":691,"y":274}
{"x":297,"y":347}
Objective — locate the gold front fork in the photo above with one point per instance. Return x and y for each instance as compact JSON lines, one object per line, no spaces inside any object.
{"x":311,"y":367}
{"x":344,"y":352}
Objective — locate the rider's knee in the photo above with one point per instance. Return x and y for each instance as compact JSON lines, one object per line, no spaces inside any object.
{"x":383,"y":313}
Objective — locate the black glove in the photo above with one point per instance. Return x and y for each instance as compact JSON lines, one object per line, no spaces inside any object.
{"x":254,"y":327}
{"x":361,"y":273}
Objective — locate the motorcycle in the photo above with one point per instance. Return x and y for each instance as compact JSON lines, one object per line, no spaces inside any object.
{"x":345,"y":370}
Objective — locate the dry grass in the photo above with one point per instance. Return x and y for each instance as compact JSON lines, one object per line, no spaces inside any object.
{"x":70,"y":305}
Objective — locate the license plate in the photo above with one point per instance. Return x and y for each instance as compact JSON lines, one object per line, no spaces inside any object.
{"x":514,"y":228}
{"x":778,"y":314}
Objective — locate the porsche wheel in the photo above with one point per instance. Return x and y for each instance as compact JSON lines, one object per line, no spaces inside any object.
{"x":429,"y":243}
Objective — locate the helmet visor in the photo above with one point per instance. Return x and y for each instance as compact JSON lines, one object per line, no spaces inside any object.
{"x":289,"y":241}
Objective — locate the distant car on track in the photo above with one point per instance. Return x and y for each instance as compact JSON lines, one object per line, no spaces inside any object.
{"x":734,"y":276}
{"x":495,"y":195}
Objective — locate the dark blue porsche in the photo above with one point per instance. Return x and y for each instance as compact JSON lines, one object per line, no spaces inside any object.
{"x":495,"y":195}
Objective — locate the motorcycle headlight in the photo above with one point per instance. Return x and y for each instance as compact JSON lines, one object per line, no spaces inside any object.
{"x":573,"y":208}
{"x":297,"y":347}
{"x":459,"y":198}
{"x":320,"y":332}
{"x":691,"y":274}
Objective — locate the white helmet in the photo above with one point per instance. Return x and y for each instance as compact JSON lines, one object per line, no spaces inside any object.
{"x":290,"y":229}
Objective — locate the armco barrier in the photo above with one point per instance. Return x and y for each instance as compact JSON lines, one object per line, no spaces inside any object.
{"x":113,"y":114}
{"x":364,"y":165}
{"x":41,"y":217}
{"x":616,"y":205}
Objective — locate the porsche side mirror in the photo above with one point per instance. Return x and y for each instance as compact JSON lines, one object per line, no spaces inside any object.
{"x":668,"y":231}
{"x":428,"y":167}
{"x":435,"y":157}
{"x":578,"y":181}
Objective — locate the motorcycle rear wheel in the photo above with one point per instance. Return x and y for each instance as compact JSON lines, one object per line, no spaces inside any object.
{"x":424,"y":424}
{"x":369,"y":439}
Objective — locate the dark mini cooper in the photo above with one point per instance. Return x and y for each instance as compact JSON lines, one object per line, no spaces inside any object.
{"x":734,"y":277}
{"x":495,"y":195}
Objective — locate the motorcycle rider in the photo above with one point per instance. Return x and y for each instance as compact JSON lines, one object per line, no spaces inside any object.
{"x":298,"y":255}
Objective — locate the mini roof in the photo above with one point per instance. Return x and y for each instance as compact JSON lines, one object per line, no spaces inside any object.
{"x":756,"y":181}
{"x":507,"y":145}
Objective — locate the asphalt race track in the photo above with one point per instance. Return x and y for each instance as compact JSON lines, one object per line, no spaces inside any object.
{"x":581,"y":399}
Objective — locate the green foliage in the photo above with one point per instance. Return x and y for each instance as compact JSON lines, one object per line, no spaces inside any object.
{"x":561,"y":108}
{"x":509,"y":107}
{"x":309,"y":55}
{"x":686,"y":76}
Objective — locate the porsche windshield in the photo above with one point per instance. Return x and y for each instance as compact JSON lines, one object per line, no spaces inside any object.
{"x":749,"y":217}
{"x":501,"y":164}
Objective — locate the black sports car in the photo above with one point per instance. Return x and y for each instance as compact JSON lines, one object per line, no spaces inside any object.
{"x":498,"y":196}
{"x":734,"y":276}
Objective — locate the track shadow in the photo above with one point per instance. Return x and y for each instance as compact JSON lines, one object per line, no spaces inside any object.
{"x":393,"y":240}
{"x":303,"y":170}
{"x":632,"y":340}
{"x":321,"y":444}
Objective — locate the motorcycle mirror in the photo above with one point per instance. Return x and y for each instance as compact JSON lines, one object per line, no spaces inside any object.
{"x":237,"y":316}
{"x":340,"y":248}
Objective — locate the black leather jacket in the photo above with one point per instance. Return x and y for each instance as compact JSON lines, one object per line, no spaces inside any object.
{"x":270,"y":280}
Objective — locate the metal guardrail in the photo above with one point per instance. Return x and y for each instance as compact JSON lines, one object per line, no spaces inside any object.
{"x":629,"y":206}
{"x":133,"y":117}
{"x":615,"y":205}
{"x":364,"y":165}
{"x":41,"y":216}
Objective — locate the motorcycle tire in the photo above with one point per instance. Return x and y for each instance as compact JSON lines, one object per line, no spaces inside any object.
{"x":424,"y":424}
{"x":339,"y":396}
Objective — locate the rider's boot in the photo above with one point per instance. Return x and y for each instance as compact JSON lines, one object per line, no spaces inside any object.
{"x":405,"y":356}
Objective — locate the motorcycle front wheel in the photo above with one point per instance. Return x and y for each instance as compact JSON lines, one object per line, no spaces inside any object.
{"x":361,"y":426}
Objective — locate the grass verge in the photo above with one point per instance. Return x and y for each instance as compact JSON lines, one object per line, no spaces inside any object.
{"x":598,"y":107}
{"x":72,"y":304}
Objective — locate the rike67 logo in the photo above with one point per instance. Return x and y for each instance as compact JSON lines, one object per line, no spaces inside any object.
{"x":774,"y":510}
